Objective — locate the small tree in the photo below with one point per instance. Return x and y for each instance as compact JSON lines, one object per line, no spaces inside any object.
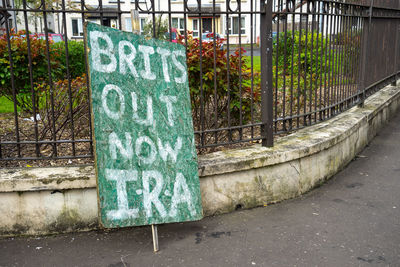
{"x":161,"y":28}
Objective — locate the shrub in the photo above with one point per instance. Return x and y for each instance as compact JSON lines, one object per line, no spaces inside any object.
{"x":350,"y":41}
{"x":319,"y":64}
{"x":316,"y":58}
{"x":64,"y":112}
{"x":19,"y":55}
{"x":217,"y":101}
{"x":311,"y":64}
{"x":40,"y":75}
{"x":76,"y":57}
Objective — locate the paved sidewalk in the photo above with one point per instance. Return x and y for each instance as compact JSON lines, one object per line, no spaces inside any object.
{"x":352,"y":220}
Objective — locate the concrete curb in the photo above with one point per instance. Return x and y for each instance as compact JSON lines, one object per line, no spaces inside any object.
{"x":63,"y":199}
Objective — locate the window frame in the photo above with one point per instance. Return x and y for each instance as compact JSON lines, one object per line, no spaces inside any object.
{"x":231,"y":25}
{"x":196,"y":32}
{"x":80,"y":27}
{"x":128,"y":21}
{"x":179,"y":21}
{"x":142,"y":25}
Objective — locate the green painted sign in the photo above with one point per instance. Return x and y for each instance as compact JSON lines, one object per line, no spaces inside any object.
{"x":146,"y":160}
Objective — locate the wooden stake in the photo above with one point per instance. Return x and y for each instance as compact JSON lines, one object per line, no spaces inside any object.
{"x":135,"y":21}
{"x":155,"y":237}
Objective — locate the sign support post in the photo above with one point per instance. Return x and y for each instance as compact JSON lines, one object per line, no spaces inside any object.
{"x":135,"y":21}
{"x":155,"y":237}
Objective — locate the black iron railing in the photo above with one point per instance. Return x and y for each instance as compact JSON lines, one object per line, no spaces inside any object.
{"x":256,"y":68}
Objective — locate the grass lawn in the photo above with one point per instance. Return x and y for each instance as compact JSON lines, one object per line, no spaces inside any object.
{"x":6,"y":106}
{"x":256,"y":62}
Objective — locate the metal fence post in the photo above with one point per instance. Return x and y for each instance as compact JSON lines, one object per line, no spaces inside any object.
{"x":266,"y":72}
{"x":364,"y":50}
{"x":396,"y":55}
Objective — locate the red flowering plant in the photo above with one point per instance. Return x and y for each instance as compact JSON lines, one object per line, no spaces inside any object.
{"x":220,"y":84}
{"x":20,"y":59}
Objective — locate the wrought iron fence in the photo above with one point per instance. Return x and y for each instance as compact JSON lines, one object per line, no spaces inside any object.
{"x":256,"y":68}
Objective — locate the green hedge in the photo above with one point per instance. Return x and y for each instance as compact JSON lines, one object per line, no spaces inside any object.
{"x":40,"y":71}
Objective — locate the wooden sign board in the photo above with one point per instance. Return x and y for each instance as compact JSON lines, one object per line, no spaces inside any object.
{"x":146,"y":161}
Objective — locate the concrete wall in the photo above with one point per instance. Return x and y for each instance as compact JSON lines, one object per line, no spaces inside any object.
{"x":64,"y":199}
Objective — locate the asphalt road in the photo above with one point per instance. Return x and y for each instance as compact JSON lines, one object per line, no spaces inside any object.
{"x":352,"y":220}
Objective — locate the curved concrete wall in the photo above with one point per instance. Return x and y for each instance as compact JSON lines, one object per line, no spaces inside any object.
{"x":63,"y":199}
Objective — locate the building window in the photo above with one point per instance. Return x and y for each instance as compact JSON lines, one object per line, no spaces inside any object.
{"x":142,"y":23}
{"x":77,"y":29}
{"x":234,"y":25}
{"x":128,"y":24}
{"x":195,"y":28}
{"x":179,"y":24}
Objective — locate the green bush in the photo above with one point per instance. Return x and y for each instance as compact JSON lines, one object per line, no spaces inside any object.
{"x":217,"y":101}
{"x":318,"y":65}
{"x":76,"y":57}
{"x":19,"y":55}
{"x":350,"y":41}
{"x":40,"y":74}
{"x":309,"y":59}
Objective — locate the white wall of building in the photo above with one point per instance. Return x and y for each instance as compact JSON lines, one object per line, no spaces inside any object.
{"x":249,"y":30}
